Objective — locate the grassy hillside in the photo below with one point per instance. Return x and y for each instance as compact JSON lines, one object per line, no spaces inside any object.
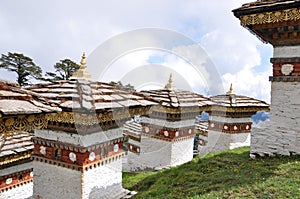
{"x":230,"y":174}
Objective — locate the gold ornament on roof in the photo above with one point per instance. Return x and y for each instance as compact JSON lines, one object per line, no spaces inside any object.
{"x":81,"y":72}
{"x":170,"y":85}
{"x":230,"y":92}
{"x":83,"y":61}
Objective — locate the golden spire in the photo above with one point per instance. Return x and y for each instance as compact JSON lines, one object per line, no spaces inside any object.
{"x":170,"y":85}
{"x":83,"y":60}
{"x":81,"y":72}
{"x":230,"y":92}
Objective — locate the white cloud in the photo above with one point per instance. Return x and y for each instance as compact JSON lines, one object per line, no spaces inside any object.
{"x":52,"y":30}
{"x":249,"y":83}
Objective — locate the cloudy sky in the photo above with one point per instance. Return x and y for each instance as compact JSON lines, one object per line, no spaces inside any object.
{"x":198,"y":40}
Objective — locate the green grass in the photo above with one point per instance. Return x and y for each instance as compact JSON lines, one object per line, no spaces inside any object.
{"x":229,"y":174}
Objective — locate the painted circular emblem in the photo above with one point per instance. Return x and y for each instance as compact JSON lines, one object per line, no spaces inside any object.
{"x":166,"y":133}
{"x":8,"y":180}
{"x":287,"y":69}
{"x":130,"y":147}
{"x":247,"y":127}
{"x":31,"y":174}
{"x":212,"y":125}
{"x":225,"y":127}
{"x":138,"y":150}
{"x":147,"y":129}
{"x":92,"y":156}
{"x":116,"y":148}
{"x":72,"y":156}
{"x":177,"y":134}
{"x":190,"y":131}
{"x":43,"y":150}
{"x":235,"y":128}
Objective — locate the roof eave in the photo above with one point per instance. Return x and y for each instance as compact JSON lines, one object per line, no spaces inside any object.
{"x":248,"y":9}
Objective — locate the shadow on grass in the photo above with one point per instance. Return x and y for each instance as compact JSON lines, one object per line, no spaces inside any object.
{"x":214,"y":172}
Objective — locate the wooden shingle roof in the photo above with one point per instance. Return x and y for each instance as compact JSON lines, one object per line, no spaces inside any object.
{"x":18,"y":101}
{"x":82,"y":94}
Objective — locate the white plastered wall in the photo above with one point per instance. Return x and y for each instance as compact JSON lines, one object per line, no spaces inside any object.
{"x":182,"y":151}
{"x":217,"y":141}
{"x":22,"y":192}
{"x":157,"y":153}
{"x":104,"y":181}
{"x":52,"y":182}
{"x":154,"y":153}
{"x":281,"y":134}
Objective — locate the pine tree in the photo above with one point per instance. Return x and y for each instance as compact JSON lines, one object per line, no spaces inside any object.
{"x":22,"y":65}
{"x":63,"y":70}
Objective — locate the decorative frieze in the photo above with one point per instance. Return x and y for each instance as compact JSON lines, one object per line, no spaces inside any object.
{"x":237,"y":112}
{"x":92,"y":122}
{"x":200,"y":132}
{"x":22,"y":123}
{"x":72,"y":147}
{"x":280,"y":60}
{"x":285,"y":79}
{"x":92,"y":164}
{"x":167,"y":133}
{"x":175,"y":115}
{"x":75,"y":155}
{"x":15,"y":158}
{"x":133,"y":148}
{"x":168,"y":124}
{"x":92,"y":118}
{"x":230,"y":128}
{"x":286,"y":69}
{"x":133,"y":136}
{"x":292,"y":14}
{"x":16,"y":179}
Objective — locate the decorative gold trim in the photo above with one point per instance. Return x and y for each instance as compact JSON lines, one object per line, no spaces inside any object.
{"x":15,"y":158}
{"x":200,"y":132}
{"x":92,"y":118}
{"x":22,"y":123}
{"x":180,"y":110}
{"x":219,"y":110}
{"x":271,"y":17}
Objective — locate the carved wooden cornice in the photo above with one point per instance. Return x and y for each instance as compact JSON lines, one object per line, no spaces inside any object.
{"x":292,"y":14}
{"x":22,"y":123}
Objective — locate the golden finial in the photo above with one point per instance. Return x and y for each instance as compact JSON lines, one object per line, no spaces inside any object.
{"x":81,"y":72}
{"x":230,"y":92}
{"x":170,"y":85}
{"x":83,"y":60}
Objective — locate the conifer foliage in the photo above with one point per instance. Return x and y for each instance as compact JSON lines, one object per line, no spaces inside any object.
{"x":23,"y":66}
{"x":63,"y":70}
